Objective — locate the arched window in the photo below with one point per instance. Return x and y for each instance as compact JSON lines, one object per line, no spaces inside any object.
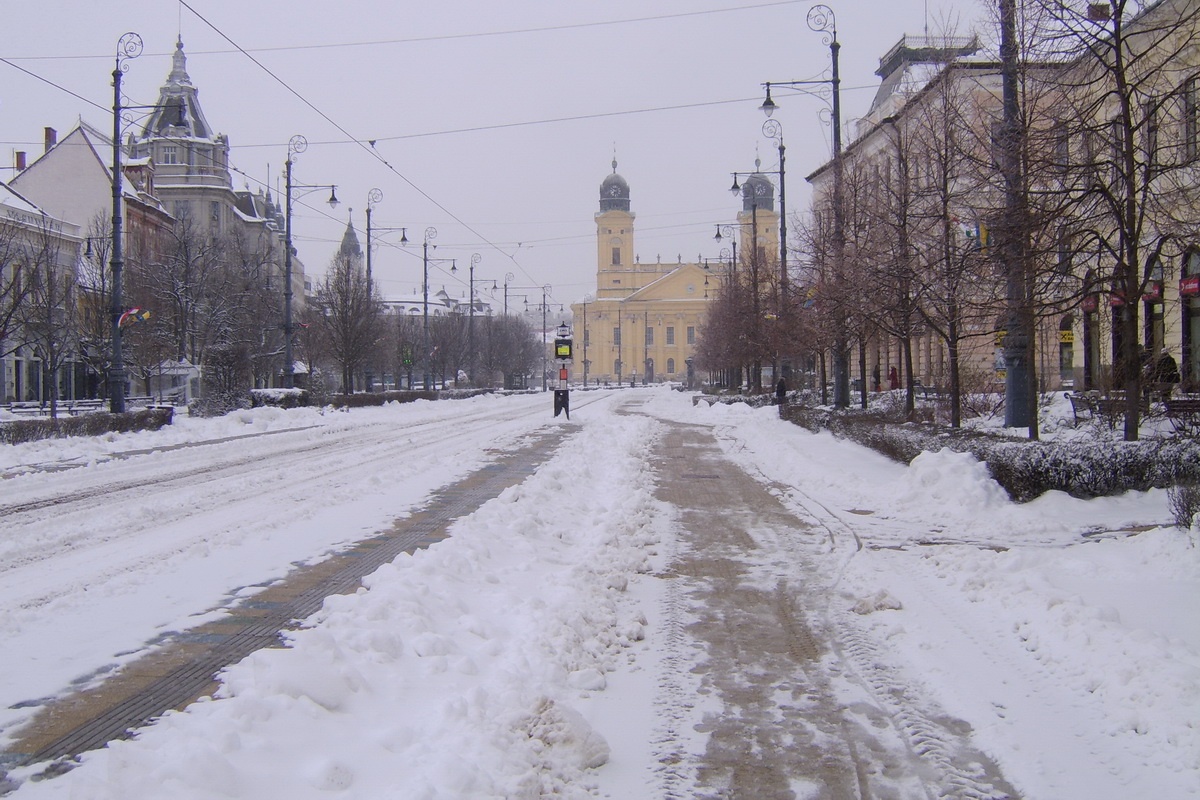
{"x":670,"y":366}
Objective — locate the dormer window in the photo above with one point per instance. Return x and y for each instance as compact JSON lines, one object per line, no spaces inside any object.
{"x":170,"y":154}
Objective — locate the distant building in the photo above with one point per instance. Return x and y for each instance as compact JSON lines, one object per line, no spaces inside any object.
{"x":29,"y":240}
{"x":194,"y":181}
{"x":646,"y":317}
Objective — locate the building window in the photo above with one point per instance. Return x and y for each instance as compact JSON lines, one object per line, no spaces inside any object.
{"x":649,"y":336}
{"x":670,"y":366}
{"x":691,"y":334}
{"x":670,"y":336}
{"x":1064,"y":254}
{"x":617,"y":336}
{"x":1062,"y":146}
{"x":616,"y":256}
{"x":170,"y":154}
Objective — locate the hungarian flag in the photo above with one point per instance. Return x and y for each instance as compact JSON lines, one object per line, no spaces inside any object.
{"x":133,"y":316}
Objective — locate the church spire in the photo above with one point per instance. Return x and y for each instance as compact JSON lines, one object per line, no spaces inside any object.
{"x":350,"y":248}
{"x":179,"y":76}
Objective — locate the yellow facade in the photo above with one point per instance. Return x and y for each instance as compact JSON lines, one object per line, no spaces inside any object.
{"x":646,"y":317}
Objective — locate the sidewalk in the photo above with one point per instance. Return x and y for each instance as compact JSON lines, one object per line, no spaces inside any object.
{"x":794,"y":720}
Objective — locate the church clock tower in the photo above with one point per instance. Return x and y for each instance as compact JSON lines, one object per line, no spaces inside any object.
{"x":614,"y":237}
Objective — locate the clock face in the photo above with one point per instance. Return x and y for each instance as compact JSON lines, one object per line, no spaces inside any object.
{"x":614,"y":191}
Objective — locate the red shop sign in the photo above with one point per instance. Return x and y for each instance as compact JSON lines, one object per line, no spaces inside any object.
{"x":1189,"y":286}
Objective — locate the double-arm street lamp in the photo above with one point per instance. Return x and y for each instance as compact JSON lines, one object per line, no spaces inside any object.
{"x":822,"y":20}
{"x":298,"y":144}
{"x":508,"y":278}
{"x":374,"y":197}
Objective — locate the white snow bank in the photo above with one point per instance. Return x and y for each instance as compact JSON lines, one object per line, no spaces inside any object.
{"x":451,"y":674}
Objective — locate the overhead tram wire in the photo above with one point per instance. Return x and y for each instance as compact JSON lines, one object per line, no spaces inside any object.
{"x":361,"y":144}
{"x":49,"y":82}
{"x":455,"y":36}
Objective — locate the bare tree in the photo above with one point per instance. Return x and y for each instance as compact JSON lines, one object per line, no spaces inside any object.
{"x":95,"y":300}
{"x":49,"y":316}
{"x":349,"y":316}
{"x":1128,"y":154}
{"x":14,"y":288}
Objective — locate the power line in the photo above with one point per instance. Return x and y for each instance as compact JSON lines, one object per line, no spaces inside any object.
{"x":448,"y":36}
{"x":49,"y":82}
{"x":361,"y":144}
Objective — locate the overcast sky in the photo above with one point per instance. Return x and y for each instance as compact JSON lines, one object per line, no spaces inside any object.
{"x":493,"y":122}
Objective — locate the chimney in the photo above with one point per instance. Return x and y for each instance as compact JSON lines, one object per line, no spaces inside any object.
{"x":51,"y":138}
{"x":20,"y":161}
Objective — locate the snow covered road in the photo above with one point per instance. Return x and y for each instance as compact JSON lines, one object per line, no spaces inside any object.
{"x":109,"y":556}
{"x":537,"y":651}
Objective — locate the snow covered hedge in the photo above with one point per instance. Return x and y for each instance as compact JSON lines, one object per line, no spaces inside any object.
{"x":1026,"y":469}
{"x":94,"y":424}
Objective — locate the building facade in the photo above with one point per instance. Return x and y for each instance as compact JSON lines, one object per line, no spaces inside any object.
{"x":643,"y":323}
{"x":1085,"y":139}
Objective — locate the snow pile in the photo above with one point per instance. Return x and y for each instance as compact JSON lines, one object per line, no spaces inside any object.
{"x":948,"y":479}
{"x":451,"y":674}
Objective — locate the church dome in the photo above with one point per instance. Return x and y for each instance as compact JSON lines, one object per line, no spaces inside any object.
{"x":614,"y":192}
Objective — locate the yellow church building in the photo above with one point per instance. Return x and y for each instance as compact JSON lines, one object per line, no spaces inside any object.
{"x":643,"y":323}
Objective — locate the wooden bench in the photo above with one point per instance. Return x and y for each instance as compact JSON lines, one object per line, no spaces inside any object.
{"x":1184,"y":413}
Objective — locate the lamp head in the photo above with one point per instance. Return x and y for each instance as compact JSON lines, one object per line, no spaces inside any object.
{"x":768,"y":107}
{"x":333,"y":201}
{"x":404,"y":236}
{"x":735,"y":190}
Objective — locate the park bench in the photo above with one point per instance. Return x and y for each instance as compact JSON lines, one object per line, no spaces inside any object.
{"x":1091,"y":405}
{"x":929,"y":393}
{"x":1184,"y":413}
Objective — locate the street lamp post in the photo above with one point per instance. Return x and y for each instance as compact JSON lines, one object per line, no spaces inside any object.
{"x":545,"y":291}
{"x":726,"y":232}
{"x":373,"y":198}
{"x":430,"y":233}
{"x":753,"y":189}
{"x":773,"y":129}
{"x":821,"y":19}
{"x":128,"y":47}
{"x":296,"y":145}
{"x":475,"y":259}
{"x":508,"y":278}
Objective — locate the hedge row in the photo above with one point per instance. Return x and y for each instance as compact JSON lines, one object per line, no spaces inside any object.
{"x":1083,"y":468}
{"x":93,"y":424}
